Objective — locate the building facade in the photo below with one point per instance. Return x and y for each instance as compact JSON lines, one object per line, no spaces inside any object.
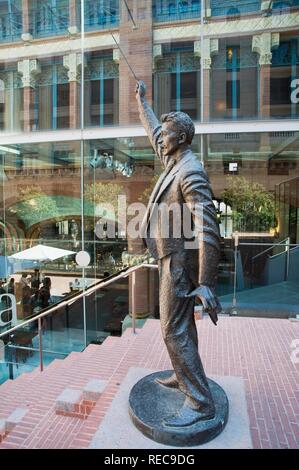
{"x":71,"y":140}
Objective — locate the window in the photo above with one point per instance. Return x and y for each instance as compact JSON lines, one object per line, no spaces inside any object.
{"x":233,"y":94}
{"x":280,"y":90}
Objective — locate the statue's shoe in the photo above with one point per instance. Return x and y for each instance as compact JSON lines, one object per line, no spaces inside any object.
{"x":188,"y":416}
{"x":170,"y":382}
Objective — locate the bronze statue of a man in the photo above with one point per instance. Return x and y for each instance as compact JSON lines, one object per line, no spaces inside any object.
{"x":184,"y":273}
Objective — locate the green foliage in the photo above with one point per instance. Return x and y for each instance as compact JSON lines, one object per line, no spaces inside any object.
{"x":35,"y":206}
{"x":101,"y":194}
{"x":253,"y":207}
{"x":144,"y":198}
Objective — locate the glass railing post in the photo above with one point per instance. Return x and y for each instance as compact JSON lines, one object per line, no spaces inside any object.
{"x":40,"y":336}
{"x":134,"y":302}
{"x":287,"y":248}
{"x":10,"y":361}
{"x":234,"y":304}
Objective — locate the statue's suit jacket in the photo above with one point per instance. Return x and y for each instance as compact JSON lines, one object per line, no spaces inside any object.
{"x":184,"y":184}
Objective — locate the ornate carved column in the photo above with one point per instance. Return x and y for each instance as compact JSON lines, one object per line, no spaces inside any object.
{"x":136,"y":44}
{"x":74,"y":12}
{"x":116,"y":56}
{"x":210,"y":48}
{"x":208,"y":11}
{"x":71,"y":62}
{"x":162,"y":83}
{"x":7,"y":99}
{"x":262,"y":44}
{"x":28,"y":69}
{"x":26,"y":36}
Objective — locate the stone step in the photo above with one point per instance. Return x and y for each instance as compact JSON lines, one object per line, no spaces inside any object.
{"x":92,"y":375}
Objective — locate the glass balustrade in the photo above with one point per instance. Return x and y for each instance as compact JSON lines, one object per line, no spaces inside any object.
{"x":72,"y":323}
{"x":265,"y":280}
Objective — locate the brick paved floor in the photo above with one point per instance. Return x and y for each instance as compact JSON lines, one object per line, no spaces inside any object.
{"x":259,"y":350}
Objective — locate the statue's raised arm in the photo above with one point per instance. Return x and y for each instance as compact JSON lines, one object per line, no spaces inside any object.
{"x":148,"y":118}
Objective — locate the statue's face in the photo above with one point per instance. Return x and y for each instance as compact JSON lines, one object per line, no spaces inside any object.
{"x":169,"y":139}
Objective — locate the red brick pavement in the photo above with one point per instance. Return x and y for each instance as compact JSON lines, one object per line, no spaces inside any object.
{"x":259,"y":350}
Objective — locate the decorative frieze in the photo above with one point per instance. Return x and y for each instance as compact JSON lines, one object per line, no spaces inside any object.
{"x":218,"y":29}
{"x":169,"y":63}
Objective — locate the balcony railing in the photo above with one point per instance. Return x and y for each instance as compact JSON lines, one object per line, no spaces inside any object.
{"x":175,"y":10}
{"x":234,"y":8}
{"x":49,"y":21}
{"x":10,"y":26}
{"x":99,"y":17}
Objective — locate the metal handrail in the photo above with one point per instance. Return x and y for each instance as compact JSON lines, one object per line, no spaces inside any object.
{"x":270,"y":248}
{"x":85,"y":293}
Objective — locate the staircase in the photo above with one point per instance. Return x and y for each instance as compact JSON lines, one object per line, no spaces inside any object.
{"x":63,"y":406}
{"x":34,"y":395}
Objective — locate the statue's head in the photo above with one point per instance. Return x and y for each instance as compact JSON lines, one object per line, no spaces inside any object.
{"x":177,"y":131}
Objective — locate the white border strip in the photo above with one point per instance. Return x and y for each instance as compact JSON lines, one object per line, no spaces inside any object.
{"x":138,"y":131}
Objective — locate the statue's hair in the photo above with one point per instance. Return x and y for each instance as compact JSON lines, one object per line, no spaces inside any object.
{"x":183,"y":123}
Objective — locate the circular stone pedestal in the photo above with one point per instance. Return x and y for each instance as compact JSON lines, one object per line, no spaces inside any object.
{"x":150,"y":403}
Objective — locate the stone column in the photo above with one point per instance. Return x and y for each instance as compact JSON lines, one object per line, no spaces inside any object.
{"x":28,"y":69}
{"x":162,"y":84}
{"x":142,"y":277}
{"x":74,"y":13}
{"x":136,"y":44}
{"x":262,"y":44}
{"x":26,"y":36}
{"x":208,"y":11}
{"x":210,"y":48}
{"x":6,"y":98}
{"x":116,"y":55}
{"x":71,"y":62}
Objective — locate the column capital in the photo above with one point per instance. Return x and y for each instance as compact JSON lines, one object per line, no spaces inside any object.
{"x":263,"y":44}
{"x":29,"y":68}
{"x":5,"y":80}
{"x":71,"y":62}
{"x":157,"y":54}
{"x":210,"y":48}
{"x":197,"y":48}
{"x":116,"y":55}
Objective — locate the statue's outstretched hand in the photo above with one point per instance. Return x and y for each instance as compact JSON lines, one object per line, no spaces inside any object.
{"x":209,"y":301}
{"x":140,"y":89}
